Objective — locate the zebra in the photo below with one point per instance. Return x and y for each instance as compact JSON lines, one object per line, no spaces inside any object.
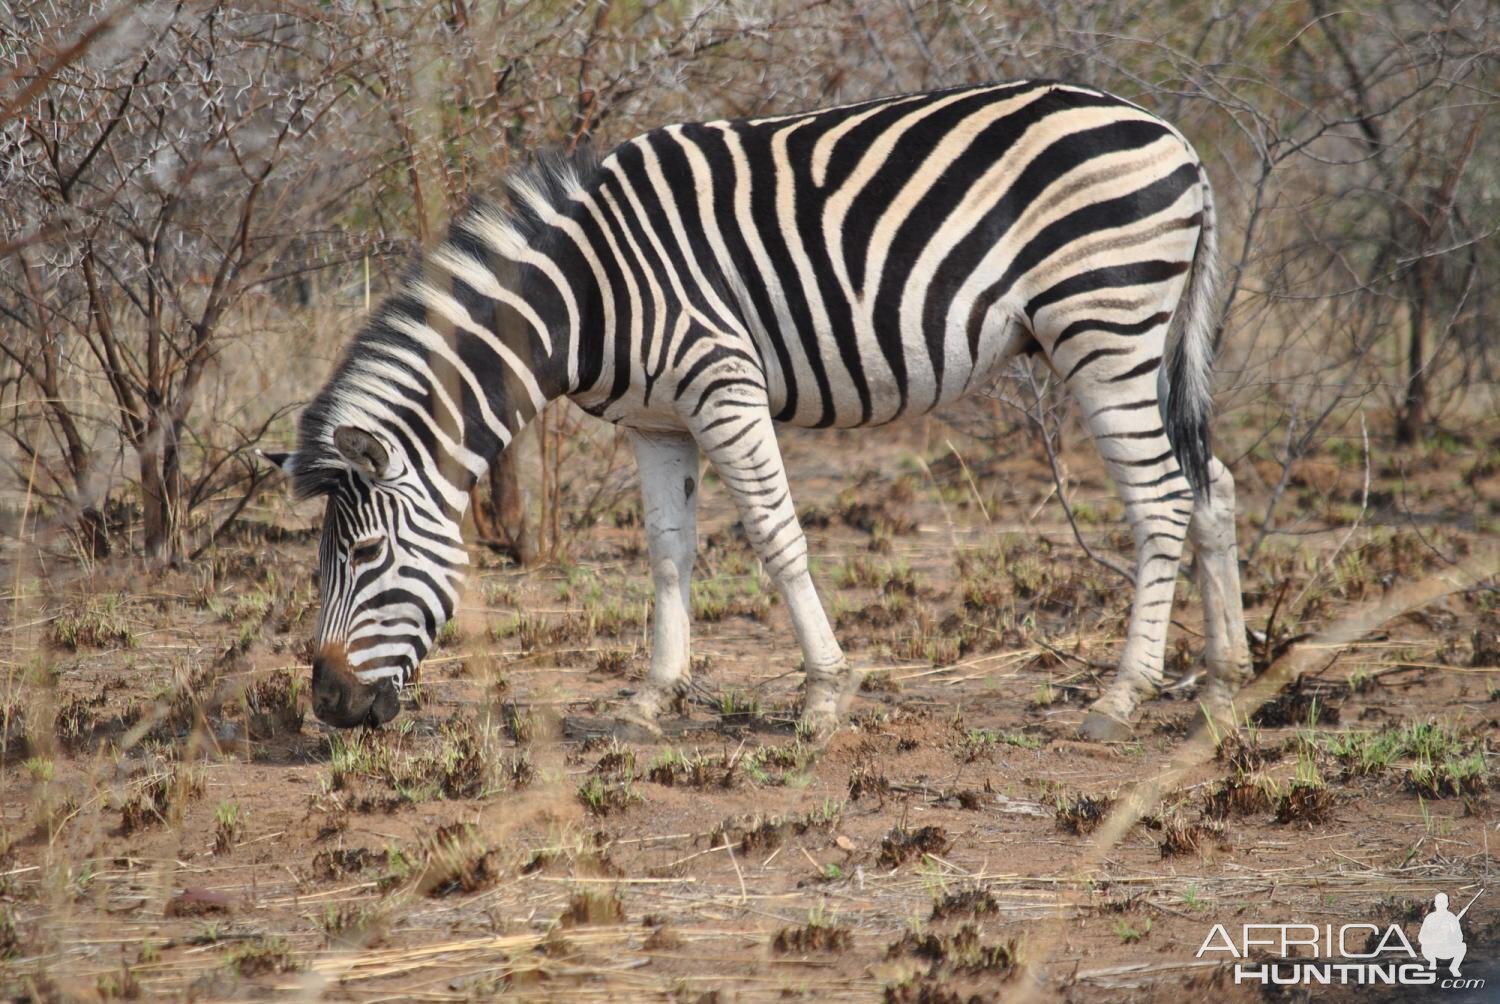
{"x":837,"y":268}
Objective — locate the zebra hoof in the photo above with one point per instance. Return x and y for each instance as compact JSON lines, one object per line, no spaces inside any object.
{"x":817,"y":727}
{"x":827,"y":701}
{"x":1216,"y":708}
{"x":631,"y":726}
{"x":1104,"y":728}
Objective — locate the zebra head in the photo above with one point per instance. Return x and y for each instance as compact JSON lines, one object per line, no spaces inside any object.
{"x":390,"y":562}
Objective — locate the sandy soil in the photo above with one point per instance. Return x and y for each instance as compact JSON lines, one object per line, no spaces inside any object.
{"x":171,"y":828}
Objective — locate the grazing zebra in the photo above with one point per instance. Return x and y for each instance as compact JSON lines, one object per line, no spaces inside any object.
{"x":842,"y":268}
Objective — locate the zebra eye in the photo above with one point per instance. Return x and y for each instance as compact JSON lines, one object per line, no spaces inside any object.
{"x":366,"y":551}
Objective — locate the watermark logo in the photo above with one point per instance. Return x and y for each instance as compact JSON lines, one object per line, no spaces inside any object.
{"x":1442,"y":937}
{"x":1360,"y":954}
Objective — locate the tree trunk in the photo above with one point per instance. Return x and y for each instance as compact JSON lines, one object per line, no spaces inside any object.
{"x":1413,"y":418}
{"x":153,"y":505}
{"x":161,"y":491}
{"x":500,"y":515}
{"x":510,"y":506}
{"x":93,"y":533}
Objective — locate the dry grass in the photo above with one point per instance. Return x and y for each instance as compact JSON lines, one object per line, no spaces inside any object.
{"x":900,"y":845}
{"x":173,"y":825}
{"x":819,"y":934}
{"x":477,"y":846}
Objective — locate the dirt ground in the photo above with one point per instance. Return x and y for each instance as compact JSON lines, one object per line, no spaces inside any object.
{"x":174,"y":825}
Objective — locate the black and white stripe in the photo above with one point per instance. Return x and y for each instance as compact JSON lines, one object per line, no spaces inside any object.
{"x":844,"y":268}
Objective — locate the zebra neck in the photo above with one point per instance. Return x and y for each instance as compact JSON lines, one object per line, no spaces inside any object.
{"x":500,"y":335}
{"x":499,"y":319}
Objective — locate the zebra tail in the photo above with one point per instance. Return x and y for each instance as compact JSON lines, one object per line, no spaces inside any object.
{"x":1187,"y":392}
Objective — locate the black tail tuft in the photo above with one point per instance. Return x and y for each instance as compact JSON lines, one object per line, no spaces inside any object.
{"x":1185,"y":390}
{"x":1187,"y":424}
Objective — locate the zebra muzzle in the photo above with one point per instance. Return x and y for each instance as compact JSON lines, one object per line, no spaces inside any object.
{"x":341,"y":699}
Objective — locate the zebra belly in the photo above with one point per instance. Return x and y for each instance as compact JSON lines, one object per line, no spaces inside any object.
{"x":908,"y":383}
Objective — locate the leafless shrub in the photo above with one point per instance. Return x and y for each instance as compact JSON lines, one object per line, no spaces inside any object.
{"x":184,"y":179}
{"x":167,"y":165}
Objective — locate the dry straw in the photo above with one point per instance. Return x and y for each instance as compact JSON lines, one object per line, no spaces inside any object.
{"x":1199,"y":748}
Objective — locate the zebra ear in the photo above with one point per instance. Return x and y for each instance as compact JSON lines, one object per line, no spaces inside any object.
{"x":362,"y":450}
{"x":286,"y":461}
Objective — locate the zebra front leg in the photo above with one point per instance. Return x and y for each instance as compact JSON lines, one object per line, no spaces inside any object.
{"x":668,"y":465}
{"x":740,"y":441}
{"x":1217,"y":570}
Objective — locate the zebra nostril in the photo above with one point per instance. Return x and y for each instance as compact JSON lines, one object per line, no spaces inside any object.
{"x":385,"y":705}
{"x":324,"y":705}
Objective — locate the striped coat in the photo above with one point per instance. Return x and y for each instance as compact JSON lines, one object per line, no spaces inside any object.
{"x":845,"y":267}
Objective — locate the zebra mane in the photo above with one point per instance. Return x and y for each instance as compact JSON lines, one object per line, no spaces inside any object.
{"x":364,"y":375}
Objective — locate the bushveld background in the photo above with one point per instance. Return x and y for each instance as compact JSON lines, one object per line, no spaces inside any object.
{"x":198,"y":203}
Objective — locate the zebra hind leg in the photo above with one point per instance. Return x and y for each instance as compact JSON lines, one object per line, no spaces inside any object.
{"x":1126,"y":424}
{"x":1217,"y":572}
{"x":740,"y":441}
{"x":668,"y":466}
